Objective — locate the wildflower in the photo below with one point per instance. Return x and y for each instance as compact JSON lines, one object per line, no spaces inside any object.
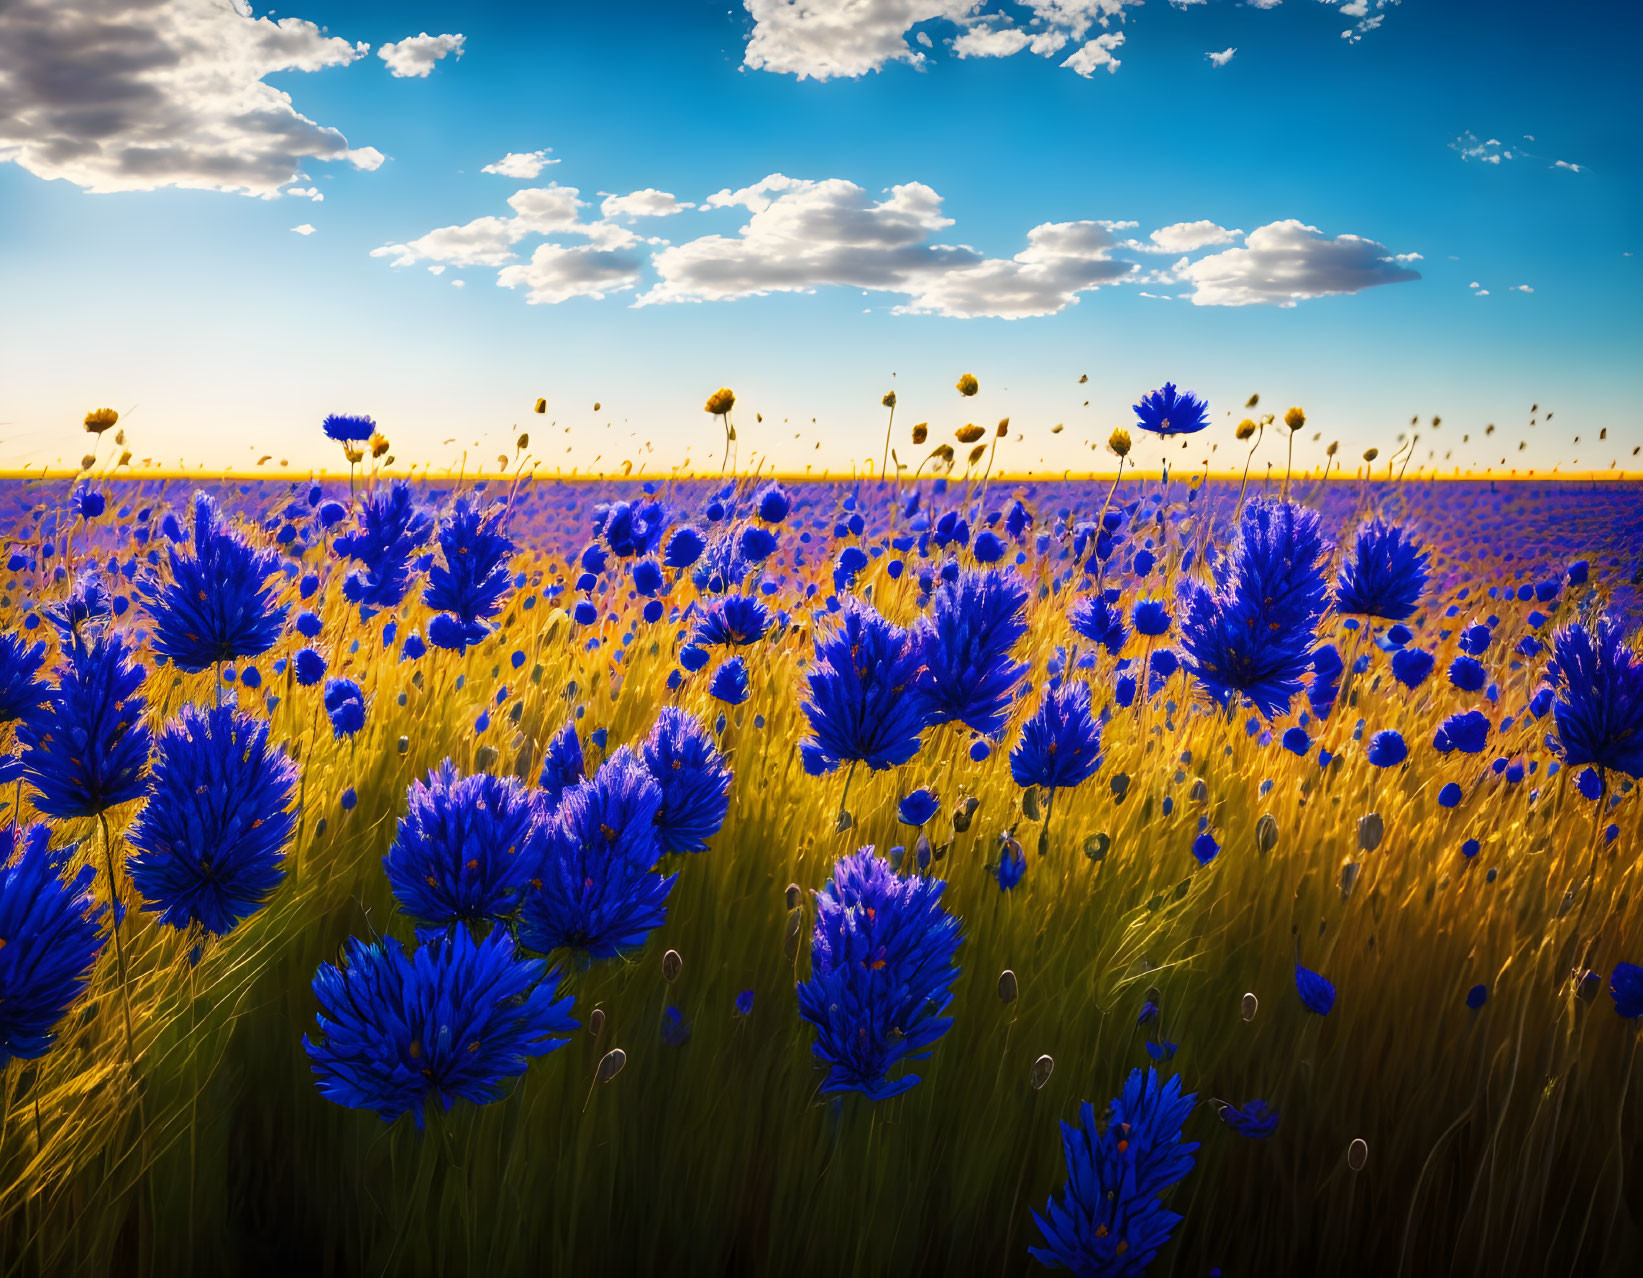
{"x":1384,"y":574}
{"x":1167,"y":411}
{"x":1387,"y":749}
{"x":720,"y":402}
{"x":731,"y":620}
{"x":466,"y":848}
{"x":1467,"y":732}
{"x":1205,"y":847}
{"x":1410,"y":666}
{"x":1253,"y":635}
{"x":1316,"y":992}
{"x":388,"y":529}
{"x":1151,"y":618}
{"x":20,"y":662}
{"x":454,"y":1021}
{"x":684,"y":547}
{"x":217,"y":605}
{"x":1467,"y":674}
{"x":631,"y":529}
{"x":1257,"y":1119}
{"x":1626,"y":988}
{"x":310,"y":667}
{"x":53,"y":933}
{"x":859,"y":706}
{"x":209,"y":844}
{"x":1118,"y":443}
{"x":918,"y":807}
{"x":730,"y":682}
{"x":597,"y":893}
{"x":348,"y":428}
{"x":965,"y":643}
{"x":85,"y":610}
{"x":1060,"y":743}
{"x":99,"y":420}
{"x":1477,"y":996}
{"x":744,"y":1003}
{"x":468,"y":586}
{"x":345,"y":706}
{"x":967,"y":385}
{"x":1294,"y":418}
{"x":693,"y":779}
{"x":1012,"y":865}
{"x":562,"y":765}
{"x":86,"y":745}
{"x":1599,"y":706}
{"x":1098,"y":621}
{"x":772,"y":503}
{"x":882,"y":970}
{"x":1108,"y":1219}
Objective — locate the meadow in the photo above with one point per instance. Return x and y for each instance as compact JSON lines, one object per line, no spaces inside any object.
{"x":1302,"y":804}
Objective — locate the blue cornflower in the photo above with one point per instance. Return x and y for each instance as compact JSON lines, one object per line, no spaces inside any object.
{"x":1296,"y":740}
{"x":693,"y":778}
{"x":454,"y":1021}
{"x":1257,"y":1119}
{"x":881,"y":974}
{"x":1467,"y":732}
{"x":729,"y":683}
{"x":1384,"y":574}
{"x":1168,"y":411}
{"x":772,"y":502}
{"x":345,"y":704}
{"x":85,"y":610}
{"x":1477,"y":996}
{"x":210,"y":842}
{"x":1467,"y":674}
{"x":1098,"y":621}
{"x":1060,"y":742}
{"x":1315,"y":991}
{"x":468,"y":586}
{"x":217,"y":606}
{"x":1151,"y":618}
{"x":347,"y":428}
{"x":308,"y":666}
{"x":20,"y":662}
{"x":53,"y":932}
{"x":918,"y":807}
{"x":744,"y":1003}
{"x":1012,"y":865}
{"x":1410,"y":666}
{"x":388,"y":529}
{"x":859,"y":705}
{"x":631,"y":529}
{"x":597,"y":891}
{"x":965,"y":643}
{"x":85,"y":746}
{"x":562,"y":764}
{"x":1108,"y":1221}
{"x":731,"y":620}
{"x":466,"y":848}
{"x":1599,"y":706}
{"x":1626,"y":988}
{"x":684,"y":547}
{"x":1387,"y":749}
{"x":1253,"y":635}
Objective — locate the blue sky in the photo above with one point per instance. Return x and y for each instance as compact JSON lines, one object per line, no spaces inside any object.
{"x":147,"y":249}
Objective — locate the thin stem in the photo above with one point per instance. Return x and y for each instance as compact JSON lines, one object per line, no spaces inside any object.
{"x":119,"y":949}
{"x":887,"y":428}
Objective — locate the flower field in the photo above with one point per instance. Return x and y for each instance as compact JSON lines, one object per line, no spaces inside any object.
{"x":941,"y":876}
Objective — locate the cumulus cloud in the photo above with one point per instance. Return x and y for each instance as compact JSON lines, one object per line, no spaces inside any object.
{"x":1520,"y":288}
{"x":1222,"y":58}
{"x":521,"y":164}
{"x":304,"y":229}
{"x":826,"y":39}
{"x":802,"y":235}
{"x":557,"y":273}
{"x":133,"y":95}
{"x":1184,"y":237}
{"x":1285,"y":262}
{"x":305,"y":193}
{"x":414,"y":56}
{"x":648,"y":202}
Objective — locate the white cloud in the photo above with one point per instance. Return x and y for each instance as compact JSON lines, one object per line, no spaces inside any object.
{"x":648,"y":202}
{"x":821,"y":39}
{"x":134,"y":95}
{"x":1222,"y":58}
{"x":826,"y":39}
{"x":1096,"y":53}
{"x":521,"y":164}
{"x":1184,"y":237}
{"x":983,"y":41}
{"x":541,"y":209}
{"x":1487,"y":150}
{"x":414,"y":56}
{"x":1520,"y":288}
{"x":304,"y":229}
{"x":557,"y":273}
{"x":305,"y":193}
{"x":1564,"y":164}
{"x":803,"y":235}
{"x":1285,"y":262}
